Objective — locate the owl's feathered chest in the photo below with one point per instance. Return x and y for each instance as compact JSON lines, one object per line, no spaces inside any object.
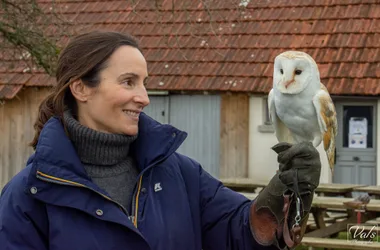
{"x":297,"y":112}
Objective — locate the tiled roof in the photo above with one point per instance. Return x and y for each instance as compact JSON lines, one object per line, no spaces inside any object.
{"x":235,"y":51}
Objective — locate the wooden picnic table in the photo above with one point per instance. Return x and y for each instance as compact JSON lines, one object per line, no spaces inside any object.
{"x":321,"y":204}
{"x":244,"y":184}
{"x":338,"y":202}
{"x":371,"y":190}
{"x":325,"y":189}
{"x":336,"y":189}
{"x":330,"y":202}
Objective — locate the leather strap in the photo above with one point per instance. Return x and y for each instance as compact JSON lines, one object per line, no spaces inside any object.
{"x":292,"y":238}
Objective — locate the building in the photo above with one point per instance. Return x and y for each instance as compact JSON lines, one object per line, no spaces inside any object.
{"x":211,"y":66}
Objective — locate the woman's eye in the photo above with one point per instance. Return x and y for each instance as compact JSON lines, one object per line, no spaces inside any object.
{"x":127,"y":82}
{"x":298,"y":72}
{"x":281,"y":71}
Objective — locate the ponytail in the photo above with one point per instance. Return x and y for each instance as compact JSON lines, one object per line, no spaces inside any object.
{"x":52,"y":105}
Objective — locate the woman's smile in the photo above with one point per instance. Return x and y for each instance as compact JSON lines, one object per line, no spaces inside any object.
{"x":134,"y":115}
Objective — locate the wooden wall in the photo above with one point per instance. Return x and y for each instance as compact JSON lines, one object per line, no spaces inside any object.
{"x":17,"y":117}
{"x":234,"y":135}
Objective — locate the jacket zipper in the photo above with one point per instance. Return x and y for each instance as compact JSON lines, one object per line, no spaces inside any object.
{"x":48,"y":178}
{"x":134,"y":203}
{"x":136,"y":194}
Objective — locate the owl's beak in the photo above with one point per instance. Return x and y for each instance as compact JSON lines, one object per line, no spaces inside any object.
{"x":288,"y":82}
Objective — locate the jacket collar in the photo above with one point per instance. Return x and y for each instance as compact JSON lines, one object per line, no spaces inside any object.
{"x":55,"y":155}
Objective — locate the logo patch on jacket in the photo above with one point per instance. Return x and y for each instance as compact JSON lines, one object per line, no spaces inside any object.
{"x":157,"y":187}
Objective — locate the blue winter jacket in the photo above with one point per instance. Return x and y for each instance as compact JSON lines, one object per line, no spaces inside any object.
{"x":52,"y":203}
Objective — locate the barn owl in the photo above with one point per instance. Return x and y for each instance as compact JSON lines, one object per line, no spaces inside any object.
{"x":300,"y":106}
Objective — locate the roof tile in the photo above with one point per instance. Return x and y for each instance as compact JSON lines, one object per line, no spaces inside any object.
{"x":40,"y":80}
{"x":21,"y":78}
{"x":375,"y":26}
{"x":324,"y":69}
{"x":268,"y":70}
{"x":372,"y":40}
{"x":374,"y":11}
{"x":9,"y":91}
{"x":373,"y":70}
{"x":363,"y":10}
{"x":6,"y":78}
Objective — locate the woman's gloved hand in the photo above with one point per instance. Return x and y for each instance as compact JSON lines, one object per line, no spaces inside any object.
{"x":298,"y":164}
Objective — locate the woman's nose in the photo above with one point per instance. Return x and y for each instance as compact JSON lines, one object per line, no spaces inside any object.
{"x":142,"y":97}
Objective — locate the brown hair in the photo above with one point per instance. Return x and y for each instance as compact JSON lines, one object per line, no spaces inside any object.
{"x":83,"y":58}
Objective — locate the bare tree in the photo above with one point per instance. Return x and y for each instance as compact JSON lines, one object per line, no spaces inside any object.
{"x":30,"y":32}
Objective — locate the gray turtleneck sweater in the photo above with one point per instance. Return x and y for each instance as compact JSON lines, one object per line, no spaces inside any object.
{"x":105,"y":158}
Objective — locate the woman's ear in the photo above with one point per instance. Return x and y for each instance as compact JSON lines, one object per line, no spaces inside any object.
{"x":80,"y":91}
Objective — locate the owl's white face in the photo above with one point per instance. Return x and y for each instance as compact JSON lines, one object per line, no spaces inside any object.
{"x":294,"y":71}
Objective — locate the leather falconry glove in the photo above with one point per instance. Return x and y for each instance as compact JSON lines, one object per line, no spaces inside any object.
{"x":279,"y":214}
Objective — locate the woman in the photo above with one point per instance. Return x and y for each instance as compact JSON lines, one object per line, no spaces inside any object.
{"x":106,"y":176}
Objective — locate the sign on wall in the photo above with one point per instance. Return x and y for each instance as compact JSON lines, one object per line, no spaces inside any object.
{"x":358,"y":130}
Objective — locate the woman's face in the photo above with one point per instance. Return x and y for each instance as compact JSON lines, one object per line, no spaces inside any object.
{"x":115,"y":105}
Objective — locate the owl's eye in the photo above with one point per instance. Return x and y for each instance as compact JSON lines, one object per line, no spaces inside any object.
{"x":281,"y":71}
{"x":298,"y":72}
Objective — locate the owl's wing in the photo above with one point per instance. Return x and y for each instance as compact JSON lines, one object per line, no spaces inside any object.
{"x":283,"y":134}
{"x":326,"y":113}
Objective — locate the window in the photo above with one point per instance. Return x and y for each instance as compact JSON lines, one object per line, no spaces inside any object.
{"x":266,"y":127}
{"x":266,"y":119}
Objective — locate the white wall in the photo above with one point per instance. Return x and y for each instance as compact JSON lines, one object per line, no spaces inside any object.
{"x":377,"y":144}
{"x":262,"y":159}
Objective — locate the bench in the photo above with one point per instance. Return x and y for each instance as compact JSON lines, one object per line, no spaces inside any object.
{"x":338,"y":244}
{"x":336,"y":189}
{"x":311,"y":225}
{"x":330,"y":202}
{"x":374,"y":221}
{"x":371,"y":190}
{"x":244,"y":184}
{"x":324,"y":189}
{"x":328,"y":219}
{"x":336,"y":215}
